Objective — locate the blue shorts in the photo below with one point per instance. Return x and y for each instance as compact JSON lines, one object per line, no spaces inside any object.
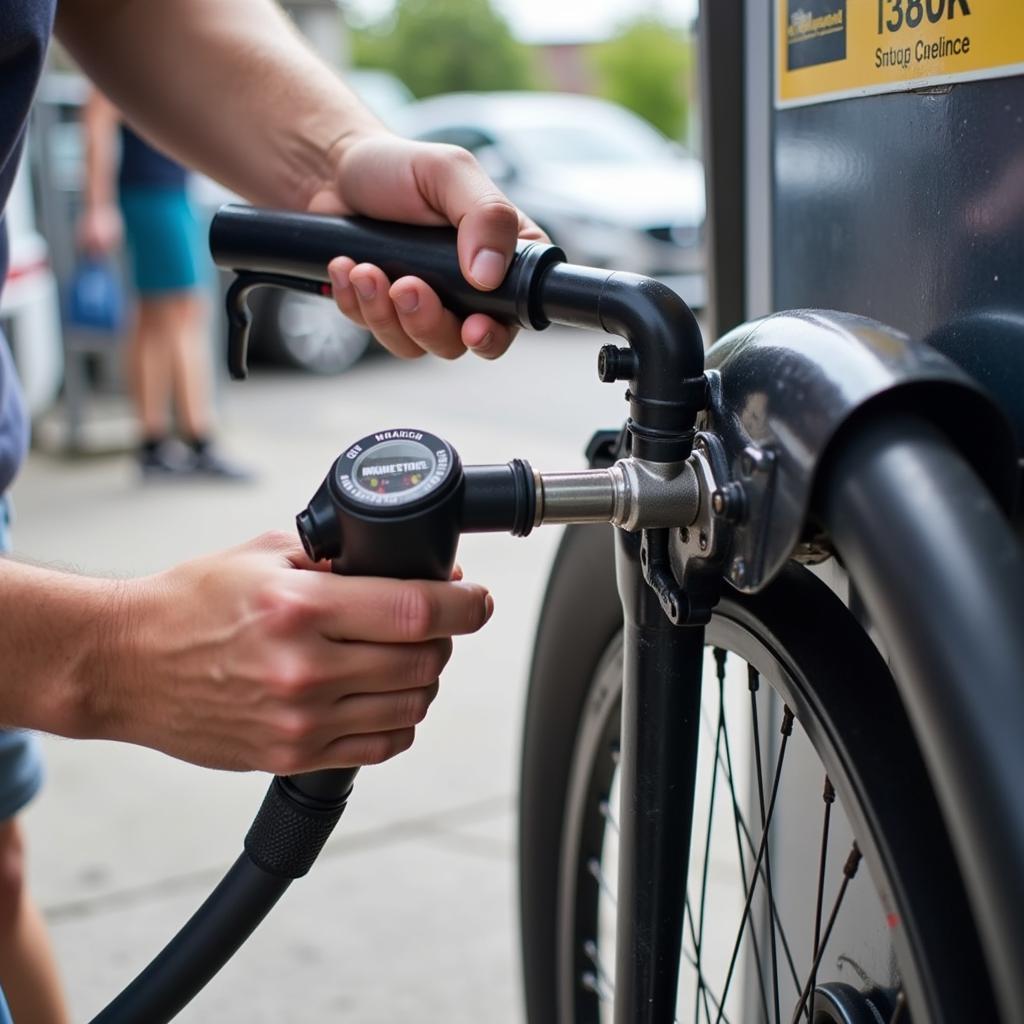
{"x":162,"y":234}
{"x":21,"y":761}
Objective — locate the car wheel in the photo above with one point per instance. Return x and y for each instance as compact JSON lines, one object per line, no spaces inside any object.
{"x":308,"y":332}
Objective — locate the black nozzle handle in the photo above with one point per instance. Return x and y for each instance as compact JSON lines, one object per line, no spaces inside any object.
{"x":293,"y":250}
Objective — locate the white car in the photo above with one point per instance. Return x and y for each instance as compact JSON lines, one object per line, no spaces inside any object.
{"x":29,"y":303}
{"x":602,"y":182}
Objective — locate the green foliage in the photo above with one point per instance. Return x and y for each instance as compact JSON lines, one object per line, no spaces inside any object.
{"x":647,"y":67}
{"x":439,"y":46}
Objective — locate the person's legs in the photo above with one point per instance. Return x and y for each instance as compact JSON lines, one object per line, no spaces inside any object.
{"x":191,"y":368}
{"x":163,"y":240}
{"x":28,"y":972}
{"x":149,"y":372}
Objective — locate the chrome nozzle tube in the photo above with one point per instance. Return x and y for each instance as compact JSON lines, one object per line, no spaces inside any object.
{"x":631,"y":494}
{"x":587,"y":496}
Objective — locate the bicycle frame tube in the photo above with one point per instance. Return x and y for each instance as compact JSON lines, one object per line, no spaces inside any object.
{"x":661,"y":691}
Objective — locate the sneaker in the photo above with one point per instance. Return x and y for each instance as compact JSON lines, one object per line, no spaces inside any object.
{"x":161,"y":461}
{"x":208,"y":462}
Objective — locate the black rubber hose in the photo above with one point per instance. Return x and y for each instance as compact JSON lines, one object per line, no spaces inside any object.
{"x":942,"y":577}
{"x":207,"y":941}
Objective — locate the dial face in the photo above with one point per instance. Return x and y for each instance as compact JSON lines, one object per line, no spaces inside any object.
{"x":394,"y":468}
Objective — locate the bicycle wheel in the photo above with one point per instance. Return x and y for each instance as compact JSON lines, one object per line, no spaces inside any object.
{"x":775,"y":930}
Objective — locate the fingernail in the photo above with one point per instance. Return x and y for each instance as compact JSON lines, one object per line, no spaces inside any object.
{"x":483,"y":342}
{"x":488,"y":268}
{"x":488,"y":607}
{"x":407,"y":301}
{"x":340,"y":278}
{"x":365,"y":286}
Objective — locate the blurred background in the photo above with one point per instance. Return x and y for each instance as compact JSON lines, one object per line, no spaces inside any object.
{"x":585,"y":113}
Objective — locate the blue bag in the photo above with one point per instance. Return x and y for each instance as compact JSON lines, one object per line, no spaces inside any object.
{"x":95,"y":298}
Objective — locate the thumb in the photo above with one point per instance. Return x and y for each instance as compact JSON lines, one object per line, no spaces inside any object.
{"x":488,"y":223}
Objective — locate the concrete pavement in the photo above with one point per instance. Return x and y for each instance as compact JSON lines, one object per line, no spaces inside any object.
{"x":410,"y":912}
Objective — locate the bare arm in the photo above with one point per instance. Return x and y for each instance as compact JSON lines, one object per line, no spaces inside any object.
{"x":52,"y":627}
{"x":99,"y":125}
{"x":228,"y":87}
{"x":100,"y":228}
{"x":248,"y":659}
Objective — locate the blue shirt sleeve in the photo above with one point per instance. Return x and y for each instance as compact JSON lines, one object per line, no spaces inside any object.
{"x":5,"y":1013}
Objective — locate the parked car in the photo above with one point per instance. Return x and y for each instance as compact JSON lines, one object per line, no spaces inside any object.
{"x":602,"y":182}
{"x":29,"y":303}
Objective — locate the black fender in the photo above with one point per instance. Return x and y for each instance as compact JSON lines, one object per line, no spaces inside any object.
{"x":784,"y":389}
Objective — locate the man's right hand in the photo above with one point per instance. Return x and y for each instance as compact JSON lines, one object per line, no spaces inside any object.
{"x":256,"y":659}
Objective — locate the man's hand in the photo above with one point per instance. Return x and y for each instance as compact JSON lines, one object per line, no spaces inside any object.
{"x":383,"y":176}
{"x":254,"y":659}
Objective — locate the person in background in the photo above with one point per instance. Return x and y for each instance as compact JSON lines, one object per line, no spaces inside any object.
{"x":146,"y":204}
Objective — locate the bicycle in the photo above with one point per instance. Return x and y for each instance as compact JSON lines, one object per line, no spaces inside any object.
{"x":720,"y":477}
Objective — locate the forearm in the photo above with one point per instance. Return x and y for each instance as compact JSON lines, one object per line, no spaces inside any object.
{"x":99,"y":122}
{"x":227,"y":86}
{"x":58,"y":634}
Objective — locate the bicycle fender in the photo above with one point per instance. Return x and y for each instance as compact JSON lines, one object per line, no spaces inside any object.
{"x":786,"y":388}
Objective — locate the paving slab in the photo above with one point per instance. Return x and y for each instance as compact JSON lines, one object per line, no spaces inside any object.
{"x":409,"y":914}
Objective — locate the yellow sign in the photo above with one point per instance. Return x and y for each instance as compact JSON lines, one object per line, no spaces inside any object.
{"x":833,"y":49}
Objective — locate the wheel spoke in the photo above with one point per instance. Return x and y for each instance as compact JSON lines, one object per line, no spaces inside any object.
{"x":594,"y":868}
{"x":738,"y":823}
{"x":762,"y":846}
{"x":592,"y":953}
{"x":606,"y":812}
{"x":741,"y":824}
{"x":828,"y":797}
{"x":702,"y":982}
{"x":849,"y":871}
{"x":901,"y":1005}
{"x":699,"y":941}
{"x":754,"y":684}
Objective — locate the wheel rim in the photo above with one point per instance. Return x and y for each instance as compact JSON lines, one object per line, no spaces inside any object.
{"x":775,"y":964}
{"x":317,"y":337}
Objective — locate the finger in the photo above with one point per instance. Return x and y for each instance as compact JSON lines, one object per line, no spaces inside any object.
{"x":277,"y":542}
{"x":487,"y":222}
{"x":370,"y":748}
{"x":378,"y":712}
{"x":485,"y":337}
{"x":298,"y":559}
{"x":337,"y":671}
{"x":377,"y":311}
{"x":396,"y":611}
{"x":424,"y":320}
{"x":487,"y":236}
{"x":340,"y":270}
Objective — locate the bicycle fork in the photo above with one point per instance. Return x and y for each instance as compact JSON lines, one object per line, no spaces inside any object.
{"x":661,"y":694}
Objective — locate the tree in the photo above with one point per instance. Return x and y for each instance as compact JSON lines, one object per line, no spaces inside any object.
{"x":646,"y":68}
{"x":439,"y":46}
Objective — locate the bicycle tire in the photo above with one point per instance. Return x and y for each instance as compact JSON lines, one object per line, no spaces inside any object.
{"x":849,"y":707}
